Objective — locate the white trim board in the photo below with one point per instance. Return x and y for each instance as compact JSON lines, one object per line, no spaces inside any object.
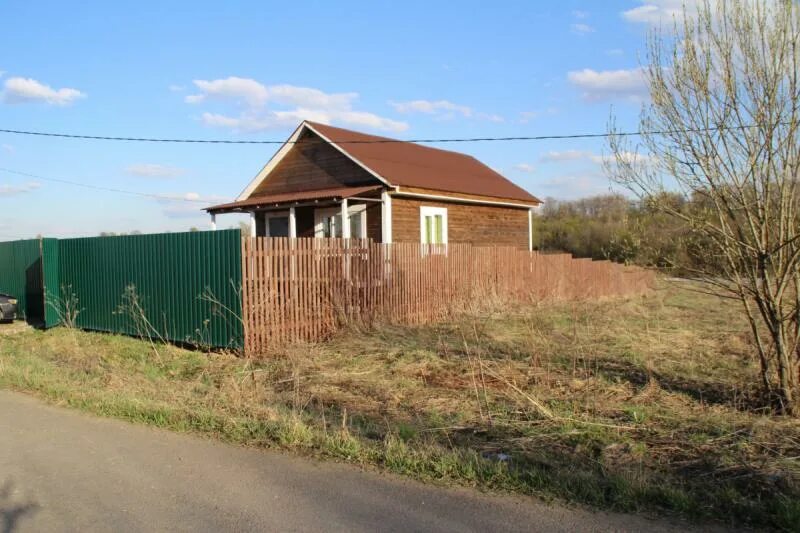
{"x":457,"y":199}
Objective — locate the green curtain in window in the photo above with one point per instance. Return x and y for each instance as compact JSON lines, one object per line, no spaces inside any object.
{"x":428,"y":230}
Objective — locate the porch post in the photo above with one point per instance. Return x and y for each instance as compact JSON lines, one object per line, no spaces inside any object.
{"x":530,"y":229}
{"x":213,"y":222}
{"x":292,"y":223}
{"x":386,"y":217}
{"x":252,"y":224}
{"x":345,"y":220}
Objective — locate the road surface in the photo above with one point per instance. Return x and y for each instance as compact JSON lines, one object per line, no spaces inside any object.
{"x":62,"y":470}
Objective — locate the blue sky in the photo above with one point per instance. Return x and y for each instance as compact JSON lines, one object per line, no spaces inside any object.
{"x":253,"y":70}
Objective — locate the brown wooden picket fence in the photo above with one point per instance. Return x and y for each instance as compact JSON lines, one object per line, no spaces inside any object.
{"x":306,"y":289}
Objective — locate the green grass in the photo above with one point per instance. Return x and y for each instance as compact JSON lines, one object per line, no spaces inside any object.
{"x":654,"y":402}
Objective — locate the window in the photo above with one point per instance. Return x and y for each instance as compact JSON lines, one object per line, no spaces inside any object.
{"x":433,"y":225}
{"x":328,"y":222}
{"x":276,"y":224}
{"x":358,"y":221}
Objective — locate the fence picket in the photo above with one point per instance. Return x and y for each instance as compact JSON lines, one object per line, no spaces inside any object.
{"x":305,"y":289}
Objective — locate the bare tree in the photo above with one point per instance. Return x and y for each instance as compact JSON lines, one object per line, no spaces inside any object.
{"x":722,"y":128}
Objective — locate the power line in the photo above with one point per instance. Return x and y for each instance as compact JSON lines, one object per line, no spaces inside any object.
{"x":373,"y":141}
{"x":107,"y":189}
{"x":345,"y":141}
{"x":377,"y":141}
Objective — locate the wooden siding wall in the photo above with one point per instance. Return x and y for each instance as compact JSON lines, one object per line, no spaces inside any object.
{"x":458,"y":195}
{"x":479,"y":225}
{"x":312,"y":165}
{"x":303,"y":290}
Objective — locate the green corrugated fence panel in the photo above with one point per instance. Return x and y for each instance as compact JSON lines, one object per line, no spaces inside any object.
{"x":21,"y":276}
{"x":51,"y":282}
{"x":183,"y":287}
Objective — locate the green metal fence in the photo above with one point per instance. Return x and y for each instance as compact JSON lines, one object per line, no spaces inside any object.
{"x":51,"y":282}
{"x":21,"y":277}
{"x":180,"y":287}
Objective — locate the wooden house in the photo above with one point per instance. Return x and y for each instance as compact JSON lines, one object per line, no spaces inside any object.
{"x":331,"y":182}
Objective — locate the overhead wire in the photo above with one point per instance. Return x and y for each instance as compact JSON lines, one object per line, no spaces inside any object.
{"x":374,"y":141}
{"x":342,"y":141}
{"x":106,"y":189}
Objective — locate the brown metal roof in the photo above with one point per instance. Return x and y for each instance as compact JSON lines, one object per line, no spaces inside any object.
{"x":270,"y":199}
{"x":413,"y":165}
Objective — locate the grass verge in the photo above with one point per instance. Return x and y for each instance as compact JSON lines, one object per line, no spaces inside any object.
{"x":648,"y":404}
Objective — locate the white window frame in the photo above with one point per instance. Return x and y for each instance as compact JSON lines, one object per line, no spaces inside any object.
{"x":427,"y":211}
{"x":272,"y":214}
{"x":324,"y":212}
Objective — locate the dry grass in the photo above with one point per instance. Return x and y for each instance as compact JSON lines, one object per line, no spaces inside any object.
{"x":643,"y":404}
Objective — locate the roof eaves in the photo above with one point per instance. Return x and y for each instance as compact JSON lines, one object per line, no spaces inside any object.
{"x":289,"y":198}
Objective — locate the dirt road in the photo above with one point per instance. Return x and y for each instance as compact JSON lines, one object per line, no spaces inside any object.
{"x":61,"y":470}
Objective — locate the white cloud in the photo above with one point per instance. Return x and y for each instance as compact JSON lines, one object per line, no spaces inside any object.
{"x":431,"y":107}
{"x":491,"y":117}
{"x":565,"y":155}
{"x":257,"y":106}
{"x":606,"y":85}
{"x":194,"y":197}
{"x":578,"y":14}
{"x":188,"y":204}
{"x":13,"y":190}
{"x":222,"y":121}
{"x":628,"y":157}
{"x":154,"y":170}
{"x":576,"y":185}
{"x":177,"y":88}
{"x":525,"y":167}
{"x":665,"y":12}
{"x":527,"y":116}
{"x":585,"y":155}
{"x":239,"y":89}
{"x":615,"y":52}
{"x":658,"y":11}
{"x":581,"y":29}
{"x":306,"y":97}
{"x":252,"y":122}
{"x":443,"y":109}
{"x":22,"y":90}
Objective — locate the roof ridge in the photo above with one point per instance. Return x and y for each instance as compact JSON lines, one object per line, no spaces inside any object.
{"x":410,"y":164}
{"x":382,"y":138}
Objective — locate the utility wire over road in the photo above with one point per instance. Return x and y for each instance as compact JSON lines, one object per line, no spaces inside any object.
{"x":373,"y":141}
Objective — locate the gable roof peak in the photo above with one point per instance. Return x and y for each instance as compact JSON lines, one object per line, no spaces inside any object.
{"x":408,"y":164}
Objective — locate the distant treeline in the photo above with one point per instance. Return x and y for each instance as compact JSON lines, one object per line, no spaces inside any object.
{"x":623,"y":230}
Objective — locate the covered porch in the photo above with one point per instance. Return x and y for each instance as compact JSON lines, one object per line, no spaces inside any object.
{"x":350,"y":212}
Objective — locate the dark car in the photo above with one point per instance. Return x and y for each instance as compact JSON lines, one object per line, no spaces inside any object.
{"x":8,"y":308}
